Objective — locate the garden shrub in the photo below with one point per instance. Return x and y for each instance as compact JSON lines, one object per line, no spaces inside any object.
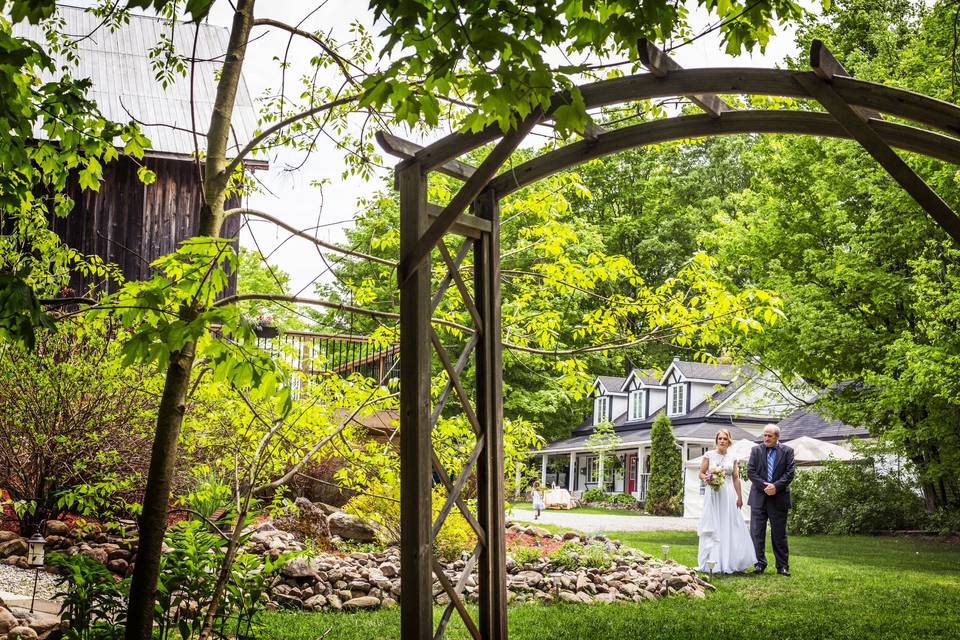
{"x":845,"y":498}
{"x":94,"y":602}
{"x":566,"y":556}
{"x":665,"y":490}
{"x":944,"y":521}
{"x":595,"y":555}
{"x":622,"y":499}
{"x":524,"y":555}
{"x":593,"y":495}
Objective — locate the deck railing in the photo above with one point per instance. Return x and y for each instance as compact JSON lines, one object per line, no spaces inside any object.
{"x":313,"y":353}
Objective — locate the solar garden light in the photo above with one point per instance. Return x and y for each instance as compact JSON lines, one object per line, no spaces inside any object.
{"x":555,"y":576}
{"x":666,"y":549}
{"x":35,"y":555}
{"x":712,"y":564}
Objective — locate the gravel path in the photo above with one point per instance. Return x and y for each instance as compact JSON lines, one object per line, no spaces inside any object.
{"x":601,"y":523}
{"x":16,"y":583}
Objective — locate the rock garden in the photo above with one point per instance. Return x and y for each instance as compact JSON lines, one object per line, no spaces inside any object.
{"x":352,"y":572}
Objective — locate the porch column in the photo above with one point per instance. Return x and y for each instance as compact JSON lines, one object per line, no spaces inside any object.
{"x":600,"y":482}
{"x":543,"y":471}
{"x":573,"y":470}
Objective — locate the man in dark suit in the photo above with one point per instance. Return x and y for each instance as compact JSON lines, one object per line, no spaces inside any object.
{"x":771,"y":470}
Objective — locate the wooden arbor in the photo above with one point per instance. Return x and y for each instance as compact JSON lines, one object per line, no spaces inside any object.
{"x":853,"y":110}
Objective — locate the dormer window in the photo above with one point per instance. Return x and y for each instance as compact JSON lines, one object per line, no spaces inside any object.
{"x":601,"y":409}
{"x":677,"y":398}
{"x":637,"y":410}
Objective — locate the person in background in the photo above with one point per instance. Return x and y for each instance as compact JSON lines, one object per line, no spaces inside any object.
{"x":536,"y":496}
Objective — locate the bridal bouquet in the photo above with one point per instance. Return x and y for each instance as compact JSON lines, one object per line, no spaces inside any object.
{"x":716,"y":477}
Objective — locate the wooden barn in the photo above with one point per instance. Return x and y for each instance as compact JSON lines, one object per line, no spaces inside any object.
{"x":126,"y":222}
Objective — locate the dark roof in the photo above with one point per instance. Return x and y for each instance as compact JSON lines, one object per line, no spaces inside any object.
{"x":612,"y":383}
{"x":709,"y":430}
{"x":703,"y":371}
{"x":646,"y":376}
{"x":809,"y":422}
{"x":704,"y":430}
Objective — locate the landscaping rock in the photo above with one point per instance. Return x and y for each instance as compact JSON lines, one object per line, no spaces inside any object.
{"x":7,"y":620}
{"x":14,"y":547}
{"x":299,"y":567}
{"x":363,"y":602}
{"x":7,"y":536}
{"x":350,"y":527}
{"x":22,"y":633}
{"x":56,"y":528}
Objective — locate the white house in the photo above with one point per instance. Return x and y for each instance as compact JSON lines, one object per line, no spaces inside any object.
{"x":699,"y":399}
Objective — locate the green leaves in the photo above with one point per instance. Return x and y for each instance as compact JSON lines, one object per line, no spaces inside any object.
{"x":20,"y":312}
{"x":501,"y":55}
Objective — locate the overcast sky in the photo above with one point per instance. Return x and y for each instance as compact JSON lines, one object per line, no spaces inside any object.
{"x":303,"y":206}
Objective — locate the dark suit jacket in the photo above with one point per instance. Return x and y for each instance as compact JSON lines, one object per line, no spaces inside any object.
{"x":784,"y":469}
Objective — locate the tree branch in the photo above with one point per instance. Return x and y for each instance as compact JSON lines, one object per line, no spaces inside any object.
{"x":307,"y":236}
{"x":269,"y":131}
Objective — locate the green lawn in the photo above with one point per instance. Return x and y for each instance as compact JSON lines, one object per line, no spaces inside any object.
{"x":527,"y":506}
{"x":842,"y":587}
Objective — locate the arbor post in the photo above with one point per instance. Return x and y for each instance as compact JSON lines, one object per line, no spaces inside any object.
{"x":489,"y":380}
{"x":416,"y":549}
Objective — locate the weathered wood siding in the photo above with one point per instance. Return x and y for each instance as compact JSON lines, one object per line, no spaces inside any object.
{"x":131,"y":224}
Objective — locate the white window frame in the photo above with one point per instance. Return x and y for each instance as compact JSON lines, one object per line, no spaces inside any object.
{"x":637,"y":410}
{"x":601,"y":409}
{"x":677,"y":400}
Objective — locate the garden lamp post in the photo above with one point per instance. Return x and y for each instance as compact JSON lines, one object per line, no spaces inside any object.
{"x":666,"y":549}
{"x":35,"y":555}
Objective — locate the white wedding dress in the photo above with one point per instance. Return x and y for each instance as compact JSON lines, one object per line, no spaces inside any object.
{"x":724,"y":536}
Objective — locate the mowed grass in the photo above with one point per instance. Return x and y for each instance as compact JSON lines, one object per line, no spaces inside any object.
{"x":842,"y":587}
{"x":528,"y":506}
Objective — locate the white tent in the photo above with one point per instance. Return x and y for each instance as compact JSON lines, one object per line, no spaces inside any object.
{"x":693,"y":488}
{"x":810,"y":452}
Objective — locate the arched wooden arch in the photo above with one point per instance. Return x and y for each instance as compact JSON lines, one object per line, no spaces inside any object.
{"x":853,"y":109}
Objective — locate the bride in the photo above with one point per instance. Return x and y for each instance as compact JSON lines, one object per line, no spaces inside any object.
{"x":724,"y":538}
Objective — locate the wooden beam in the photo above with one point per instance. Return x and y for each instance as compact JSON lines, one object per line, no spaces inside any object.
{"x":660,"y":64}
{"x":465,"y":224}
{"x":775,"y":82}
{"x":778,"y":121}
{"x":416,"y":447}
{"x":828,"y":67}
{"x":870,"y":140}
{"x":406,"y":150}
{"x":463,"y":198}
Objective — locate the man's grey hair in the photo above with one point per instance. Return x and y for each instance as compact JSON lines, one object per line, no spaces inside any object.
{"x":775,"y":428}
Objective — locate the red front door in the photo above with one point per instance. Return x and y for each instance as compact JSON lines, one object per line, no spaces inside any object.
{"x":631,"y":472}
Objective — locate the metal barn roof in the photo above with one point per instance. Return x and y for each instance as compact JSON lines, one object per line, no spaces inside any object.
{"x":125,"y":87}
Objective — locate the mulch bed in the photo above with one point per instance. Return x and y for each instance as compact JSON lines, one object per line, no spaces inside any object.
{"x":545,"y":545}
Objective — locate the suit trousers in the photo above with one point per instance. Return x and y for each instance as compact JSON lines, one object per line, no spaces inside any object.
{"x":778,"y":533}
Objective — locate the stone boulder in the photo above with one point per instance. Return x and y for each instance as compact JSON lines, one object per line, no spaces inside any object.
{"x":22,"y":633}
{"x":363,"y":602}
{"x":306,"y":521}
{"x":57,"y":528}
{"x":7,"y":536}
{"x":299,"y":567}
{"x":14,"y":547}
{"x":7,"y":621}
{"x":350,"y":527}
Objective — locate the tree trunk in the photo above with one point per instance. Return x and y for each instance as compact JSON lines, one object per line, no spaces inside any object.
{"x":153,"y":520}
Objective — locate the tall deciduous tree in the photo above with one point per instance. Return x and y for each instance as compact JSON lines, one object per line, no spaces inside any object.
{"x":870,"y":284}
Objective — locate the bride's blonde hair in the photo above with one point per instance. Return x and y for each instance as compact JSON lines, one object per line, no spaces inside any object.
{"x":725,"y":432}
